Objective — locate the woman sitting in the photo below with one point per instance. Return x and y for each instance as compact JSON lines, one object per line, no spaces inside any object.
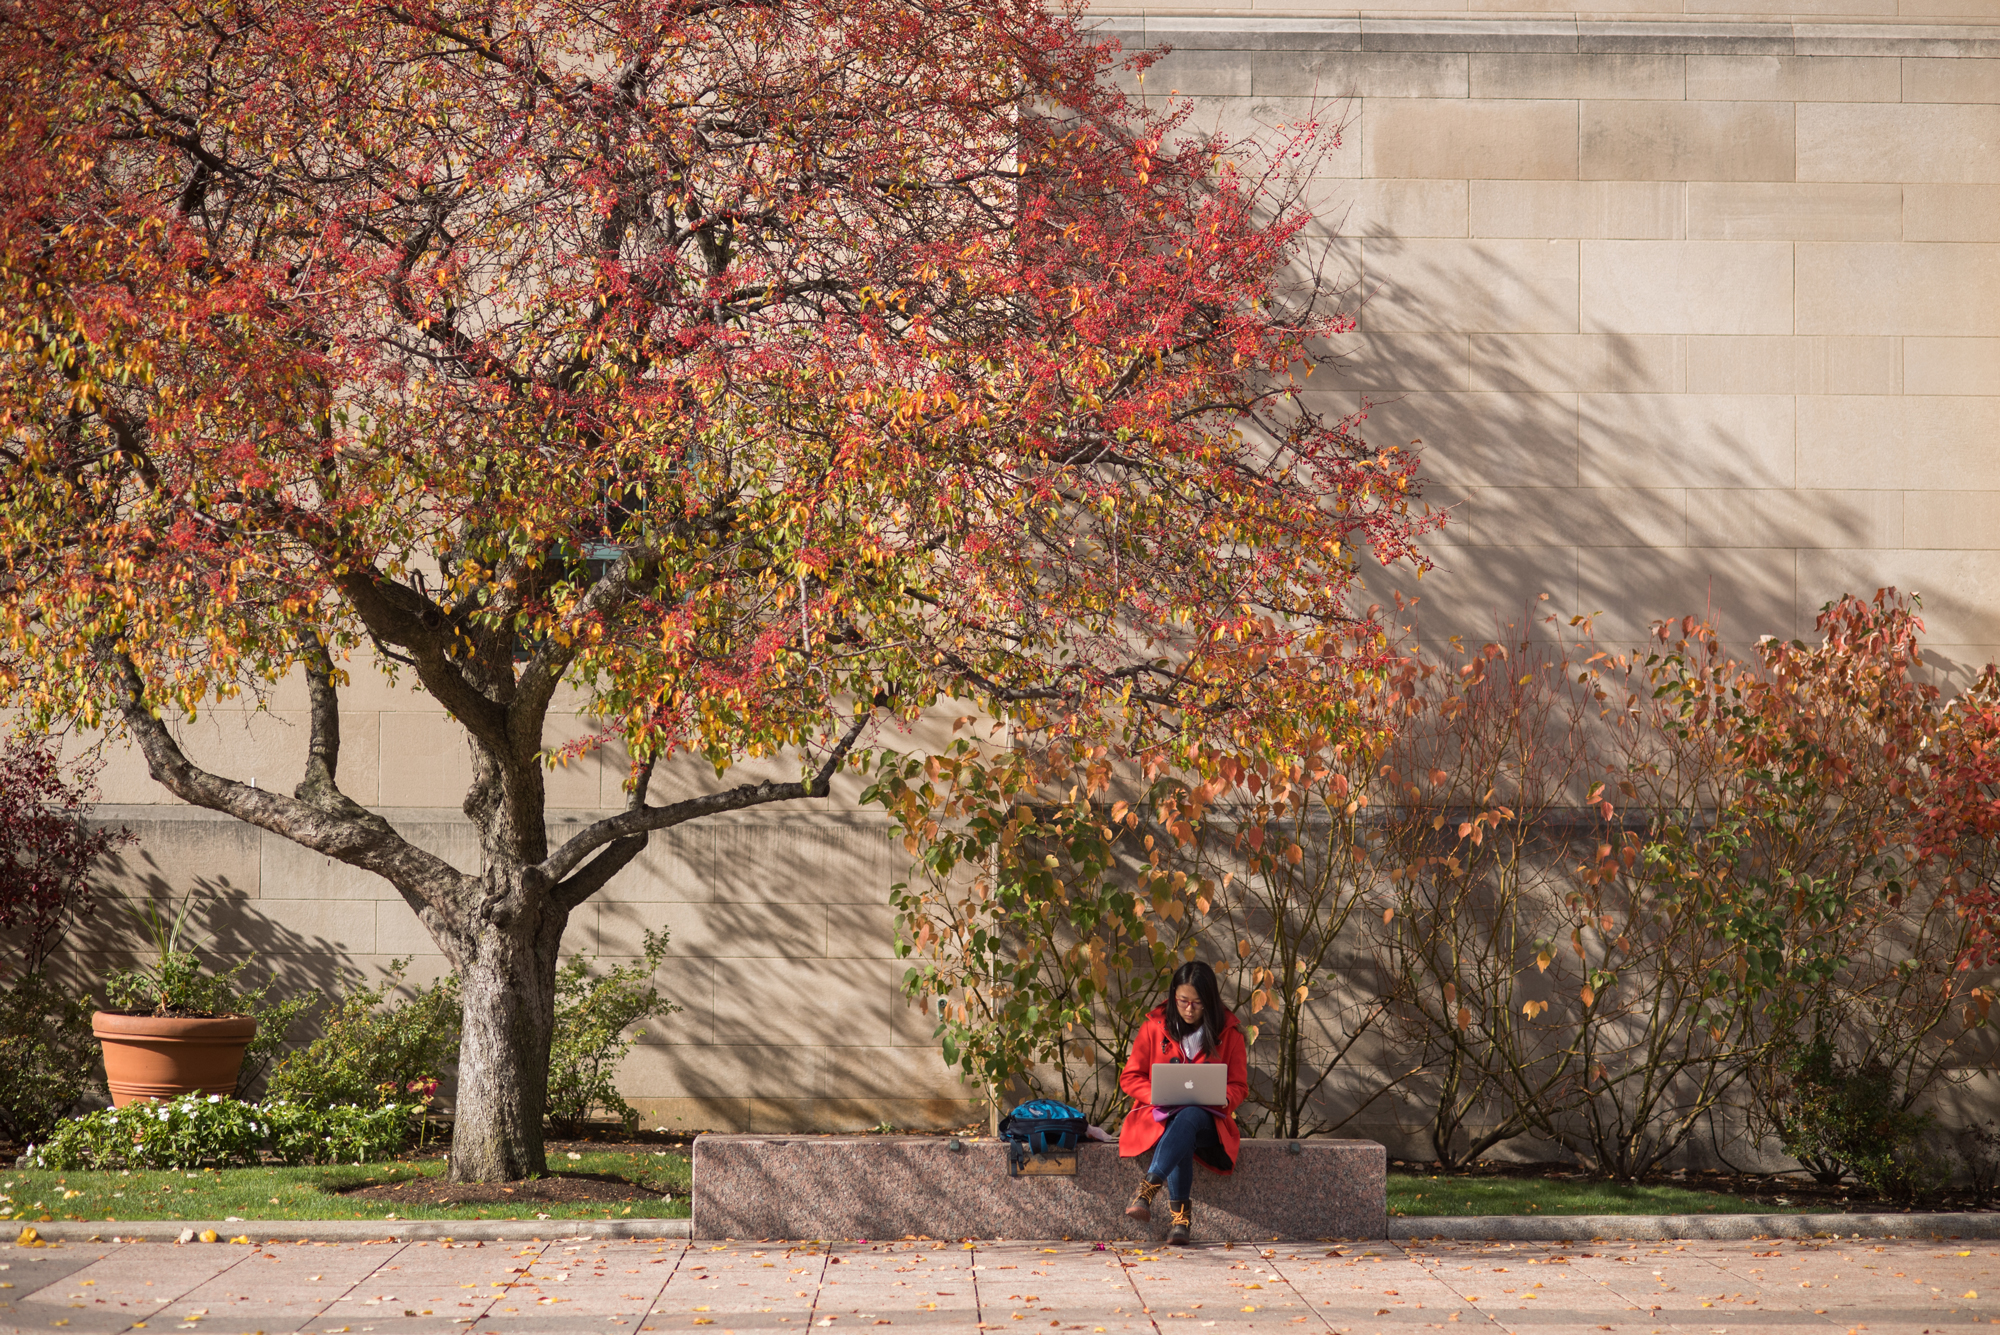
{"x":1192,"y":1027}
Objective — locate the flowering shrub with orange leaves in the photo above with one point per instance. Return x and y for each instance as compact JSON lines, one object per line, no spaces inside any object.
{"x":1613,"y":900}
{"x":1055,"y":893}
{"x":1741,"y":882}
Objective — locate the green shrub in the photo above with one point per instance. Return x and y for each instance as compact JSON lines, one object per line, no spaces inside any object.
{"x":375,"y":1050}
{"x":297,"y":1134}
{"x":591,"y":1038}
{"x":173,"y":983}
{"x":48,"y":1057}
{"x":197,"y":1131}
{"x":1840,"y":1120}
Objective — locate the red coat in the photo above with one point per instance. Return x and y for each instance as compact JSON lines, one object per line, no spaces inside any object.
{"x":1153,"y":1043}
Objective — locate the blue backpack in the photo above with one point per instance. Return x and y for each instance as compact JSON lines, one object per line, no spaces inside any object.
{"x":1043,"y":1125}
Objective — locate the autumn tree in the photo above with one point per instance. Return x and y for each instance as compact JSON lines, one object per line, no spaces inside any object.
{"x":770,"y":371}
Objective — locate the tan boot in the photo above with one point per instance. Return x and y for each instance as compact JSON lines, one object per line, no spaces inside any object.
{"x":1141,"y":1207}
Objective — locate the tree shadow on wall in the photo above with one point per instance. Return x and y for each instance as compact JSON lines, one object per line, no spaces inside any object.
{"x":1573,"y":464}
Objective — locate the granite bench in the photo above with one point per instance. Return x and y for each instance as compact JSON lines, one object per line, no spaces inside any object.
{"x":806,"y":1186}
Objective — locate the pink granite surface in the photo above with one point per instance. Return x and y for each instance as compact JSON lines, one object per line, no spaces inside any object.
{"x":892,"y":1186}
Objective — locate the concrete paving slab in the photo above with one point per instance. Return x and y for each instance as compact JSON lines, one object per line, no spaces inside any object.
{"x":617,"y":1283}
{"x":415,"y":1287}
{"x":921,"y":1287}
{"x":564,"y":1285}
{"x":756,"y":1288}
{"x":268,"y":1288}
{"x":557,"y":1286}
{"x":115,"y":1289}
{"x":27,"y":1271}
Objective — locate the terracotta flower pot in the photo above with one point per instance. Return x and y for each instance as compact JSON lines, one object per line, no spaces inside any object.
{"x":149,"y":1057}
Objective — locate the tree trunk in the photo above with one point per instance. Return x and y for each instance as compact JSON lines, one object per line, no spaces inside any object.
{"x":508,"y":983}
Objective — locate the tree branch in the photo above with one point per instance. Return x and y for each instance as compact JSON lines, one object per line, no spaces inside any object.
{"x":320,"y":785}
{"x":352,"y":835}
{"x":597,"y":873}
{"x":397,"y":614}
{"x":642,"y":819}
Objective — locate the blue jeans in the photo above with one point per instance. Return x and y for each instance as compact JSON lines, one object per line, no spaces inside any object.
{"x":1189,"y":1129}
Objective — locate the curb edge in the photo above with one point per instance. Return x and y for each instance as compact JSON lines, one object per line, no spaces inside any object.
{"x":1705,"y":1227}
{"x":362,"y":1230}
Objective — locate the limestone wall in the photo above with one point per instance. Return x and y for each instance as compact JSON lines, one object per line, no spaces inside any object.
{"x":1688,"y":311}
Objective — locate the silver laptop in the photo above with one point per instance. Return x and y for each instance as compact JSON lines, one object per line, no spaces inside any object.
{"x":1177,"y":1083}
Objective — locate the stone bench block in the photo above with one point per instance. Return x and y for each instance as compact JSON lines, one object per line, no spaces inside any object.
{"x":939,"y":1187}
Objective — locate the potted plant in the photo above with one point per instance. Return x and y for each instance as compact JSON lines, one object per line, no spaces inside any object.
{"x":170,"y":1029}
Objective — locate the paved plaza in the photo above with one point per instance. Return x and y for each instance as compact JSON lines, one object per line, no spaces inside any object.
{"x":926,"y":1288}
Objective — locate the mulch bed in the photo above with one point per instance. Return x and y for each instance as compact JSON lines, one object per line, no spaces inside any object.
{"x":559,"y":1188}
{"x":606,"y":1139}
{"x":1779,"y":1192}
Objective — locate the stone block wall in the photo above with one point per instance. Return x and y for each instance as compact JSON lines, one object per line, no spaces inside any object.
{"x":1688,"y":311}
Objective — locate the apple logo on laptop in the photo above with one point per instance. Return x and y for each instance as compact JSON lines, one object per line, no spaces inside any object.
{"x":1190,"y":1084}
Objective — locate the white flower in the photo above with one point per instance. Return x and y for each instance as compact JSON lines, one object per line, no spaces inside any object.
{"x":215,"y":1098}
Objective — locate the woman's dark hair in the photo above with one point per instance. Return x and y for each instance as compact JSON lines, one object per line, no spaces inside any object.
{"x":1201,"y":978}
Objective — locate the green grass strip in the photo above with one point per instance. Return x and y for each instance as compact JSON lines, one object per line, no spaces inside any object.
{"x":311,"y":1193}
{"x":1445,"y":1194}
